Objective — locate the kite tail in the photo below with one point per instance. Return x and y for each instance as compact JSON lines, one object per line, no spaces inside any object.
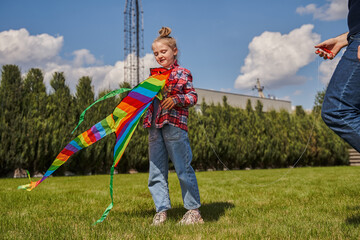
{"x":125,"y":133}
{"x":26,"y":186}
{"x":127,"y":115}
{"x":85,"y":139}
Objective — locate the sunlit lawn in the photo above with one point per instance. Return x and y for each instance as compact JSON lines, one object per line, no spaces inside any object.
{"x":317,"y":203}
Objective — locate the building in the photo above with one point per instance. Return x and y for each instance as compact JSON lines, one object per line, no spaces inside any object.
{"x":240,"y":101}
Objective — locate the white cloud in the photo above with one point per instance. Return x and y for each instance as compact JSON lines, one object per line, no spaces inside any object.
{"x":275,"y":58}
{"x":42,"y":51}
{"x":332,"y":10}
{"x":103,"y":77}
{"x":82,"y":57}
{"x":18,"y":47}
{"x":327,"y":68}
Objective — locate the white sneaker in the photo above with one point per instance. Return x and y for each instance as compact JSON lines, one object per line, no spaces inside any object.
{"x":159,"y":218}
{"x":191,"y":217}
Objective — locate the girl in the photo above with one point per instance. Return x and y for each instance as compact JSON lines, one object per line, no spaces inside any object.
{"x":168,"y":137}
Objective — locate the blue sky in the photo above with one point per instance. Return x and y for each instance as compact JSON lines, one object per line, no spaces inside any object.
{"x":226,"y":44}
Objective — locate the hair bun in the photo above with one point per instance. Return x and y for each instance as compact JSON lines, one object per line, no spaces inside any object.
{"x":164,"y":32}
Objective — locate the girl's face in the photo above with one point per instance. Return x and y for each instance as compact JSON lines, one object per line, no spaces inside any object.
{"x":164,"y":55}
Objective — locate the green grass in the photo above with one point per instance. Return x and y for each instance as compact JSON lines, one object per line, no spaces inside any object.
{"x":307,"y":203}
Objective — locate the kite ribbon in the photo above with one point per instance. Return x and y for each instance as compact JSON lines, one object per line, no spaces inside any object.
{"x":108,"y":95}
{"x":136,"y":103}
{"x":122,"y":121}
{"x":130,"y":132}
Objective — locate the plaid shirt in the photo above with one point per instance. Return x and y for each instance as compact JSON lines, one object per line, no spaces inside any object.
{"x":180,"y":88}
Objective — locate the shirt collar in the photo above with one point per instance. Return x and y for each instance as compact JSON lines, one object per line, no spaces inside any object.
{"x":175,"y":64}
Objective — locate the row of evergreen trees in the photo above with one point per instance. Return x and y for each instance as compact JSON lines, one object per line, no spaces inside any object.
{"x":35,"y":125}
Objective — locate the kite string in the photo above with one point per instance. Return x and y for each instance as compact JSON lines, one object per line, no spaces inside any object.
{"x":316,"y":115}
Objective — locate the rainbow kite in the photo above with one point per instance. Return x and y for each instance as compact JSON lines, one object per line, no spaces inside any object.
{"x":122,"y":121}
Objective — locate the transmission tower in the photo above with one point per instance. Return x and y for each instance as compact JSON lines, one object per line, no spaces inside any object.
{"x":134,"y":42}
{"x":259,"y":88}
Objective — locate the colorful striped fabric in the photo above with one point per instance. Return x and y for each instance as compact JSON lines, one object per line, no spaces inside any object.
{"x":131,"y":108}
{"x":95,"y":133}
{"x":122,"y":121}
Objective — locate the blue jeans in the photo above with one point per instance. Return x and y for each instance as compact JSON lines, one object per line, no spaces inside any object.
{"x":173,"y":142}
{"x":341,"y":107}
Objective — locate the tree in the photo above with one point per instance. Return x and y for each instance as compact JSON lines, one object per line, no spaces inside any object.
{"x":61,"y":118}
{"x":11,"y":93}
{"x":35,"y":147}
{"x":249,"y":108}
{"x":259,"y":108}
{"x":299,"y":111}
{"x":84,"y":97}
{"x":84,"y":93}
{"x":319,"y":99}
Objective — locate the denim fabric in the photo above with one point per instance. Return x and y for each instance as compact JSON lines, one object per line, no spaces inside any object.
{"x":341,"y":107}
{"x":173,"y":142}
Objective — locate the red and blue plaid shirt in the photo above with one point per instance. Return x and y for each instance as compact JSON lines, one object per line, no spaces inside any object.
{"x":180,"y":88}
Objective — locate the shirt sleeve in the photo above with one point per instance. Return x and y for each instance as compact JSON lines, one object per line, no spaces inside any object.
{"x":188,"y":97}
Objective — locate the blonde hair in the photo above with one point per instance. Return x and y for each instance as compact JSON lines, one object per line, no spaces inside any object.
{"x":164,"y":37}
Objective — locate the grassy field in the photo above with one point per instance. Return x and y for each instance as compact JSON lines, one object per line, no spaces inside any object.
{"x":306,"y":203}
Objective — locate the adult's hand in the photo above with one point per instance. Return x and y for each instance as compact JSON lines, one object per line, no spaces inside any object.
{"x":332,"y":44}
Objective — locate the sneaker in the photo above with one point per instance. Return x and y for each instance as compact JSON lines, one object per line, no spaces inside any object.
{"x":159,"y":218}
{"x":191,"y":217}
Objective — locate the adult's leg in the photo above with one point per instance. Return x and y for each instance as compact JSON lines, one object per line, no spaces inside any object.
{"x":341,"y":107}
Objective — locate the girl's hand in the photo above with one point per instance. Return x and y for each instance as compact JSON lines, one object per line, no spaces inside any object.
{"x":168,"y":103}
{"x":359,"y":52}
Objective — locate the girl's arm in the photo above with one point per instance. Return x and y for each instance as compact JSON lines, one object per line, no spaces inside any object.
{"x":188,"y":97}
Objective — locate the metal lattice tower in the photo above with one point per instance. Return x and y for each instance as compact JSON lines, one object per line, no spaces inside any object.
{"x":134,"y":42}
{"x":259,"y":88}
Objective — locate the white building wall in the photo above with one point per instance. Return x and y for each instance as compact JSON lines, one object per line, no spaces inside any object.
{"x":239,"y":100}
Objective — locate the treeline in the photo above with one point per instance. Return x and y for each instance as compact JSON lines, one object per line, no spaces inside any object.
{"x":36,"y":124}
{"x":247,"y":138}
